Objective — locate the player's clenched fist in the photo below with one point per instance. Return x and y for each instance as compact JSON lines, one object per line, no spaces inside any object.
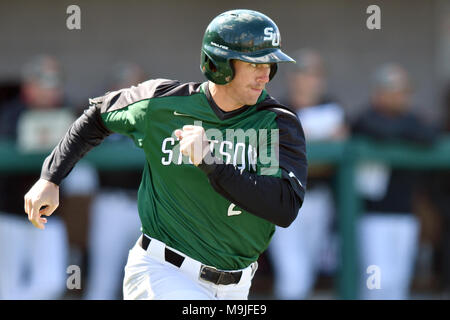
{"x":41,"y":199}
{"x":193,"y":142}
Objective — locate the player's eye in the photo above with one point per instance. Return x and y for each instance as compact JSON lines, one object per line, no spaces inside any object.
{"x":253,"y":65}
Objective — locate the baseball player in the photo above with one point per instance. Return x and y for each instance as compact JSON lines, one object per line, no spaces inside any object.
{"x":225,"y":163}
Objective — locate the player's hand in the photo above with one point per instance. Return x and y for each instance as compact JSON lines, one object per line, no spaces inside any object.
{"x":41,"y":199}
{"x":193,"y":143}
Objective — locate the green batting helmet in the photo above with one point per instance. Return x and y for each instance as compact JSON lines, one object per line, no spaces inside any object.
{"x":244,"y":35}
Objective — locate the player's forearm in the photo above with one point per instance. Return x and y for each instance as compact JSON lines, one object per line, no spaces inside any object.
{"x":85,"y":133}
{"x":267,"y":197}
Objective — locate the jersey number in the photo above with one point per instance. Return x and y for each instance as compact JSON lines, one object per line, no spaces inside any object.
{"x":232,"y":212}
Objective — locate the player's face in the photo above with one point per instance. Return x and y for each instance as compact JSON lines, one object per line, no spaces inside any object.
{"x":249,"y":81}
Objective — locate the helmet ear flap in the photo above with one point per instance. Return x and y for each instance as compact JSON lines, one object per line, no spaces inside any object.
{"x":216,"y":68}
{"x":231,"y":64}
{"x":211,"y":65}
{"x":273,"y":70}
{"x":208,"y":67}
{"x":208,"y":64}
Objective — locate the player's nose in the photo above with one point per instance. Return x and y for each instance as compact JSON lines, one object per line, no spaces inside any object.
{"x":264,"y":73}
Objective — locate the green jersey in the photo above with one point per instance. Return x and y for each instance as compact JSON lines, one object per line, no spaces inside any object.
{"x":176,"y":202}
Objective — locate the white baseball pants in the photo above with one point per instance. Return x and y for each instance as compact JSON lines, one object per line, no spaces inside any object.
{"x":389,"y":242}
{"x":149,"y":276}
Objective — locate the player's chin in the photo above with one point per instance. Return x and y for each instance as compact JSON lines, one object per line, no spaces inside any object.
{"x":253,"y":96}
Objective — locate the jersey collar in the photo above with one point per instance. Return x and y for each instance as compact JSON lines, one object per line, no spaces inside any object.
{"x":223,"y":115}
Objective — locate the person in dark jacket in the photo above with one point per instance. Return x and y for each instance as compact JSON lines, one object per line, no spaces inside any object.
{"x":388,"y":231}
{"x":299,"y":253}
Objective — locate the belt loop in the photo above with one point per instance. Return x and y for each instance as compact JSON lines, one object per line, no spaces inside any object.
{"x":219,"y":280}
{"x":254,"y":267}
{"x":157,"y":248}
{"x":144,"y":242}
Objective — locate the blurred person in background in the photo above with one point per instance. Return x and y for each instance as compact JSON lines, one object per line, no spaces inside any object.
{"x":388,"y":231}
{"x":438,"y":191}
{"x":32,"y":263}
{"x":115,"y":204}
{"x":297,"y":252}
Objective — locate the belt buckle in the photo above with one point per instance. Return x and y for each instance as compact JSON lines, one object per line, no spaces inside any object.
{"x":203,"y":274}
{"x":219,"y":276}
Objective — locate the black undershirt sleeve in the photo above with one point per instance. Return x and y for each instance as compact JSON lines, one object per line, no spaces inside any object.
{"x":89,"y":129}
{"x":274,"y":199}
{"x":85,"y":133}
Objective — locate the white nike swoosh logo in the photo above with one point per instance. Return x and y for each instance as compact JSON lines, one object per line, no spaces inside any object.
{"x":181,"y":114}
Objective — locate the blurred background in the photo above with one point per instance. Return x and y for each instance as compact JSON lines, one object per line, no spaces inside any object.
{"x":374,"y":104}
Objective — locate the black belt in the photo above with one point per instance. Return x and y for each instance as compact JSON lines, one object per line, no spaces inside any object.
{"x":209,"y":274}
